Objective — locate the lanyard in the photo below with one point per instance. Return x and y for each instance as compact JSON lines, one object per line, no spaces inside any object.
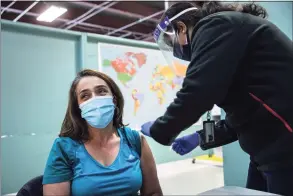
{"x":208,"y":115}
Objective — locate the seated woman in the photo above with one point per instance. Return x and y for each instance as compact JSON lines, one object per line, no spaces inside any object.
{"x":95,"y":153}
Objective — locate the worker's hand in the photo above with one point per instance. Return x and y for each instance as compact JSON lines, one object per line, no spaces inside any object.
{"x":186,"y":143}
{"x":145,"y":128}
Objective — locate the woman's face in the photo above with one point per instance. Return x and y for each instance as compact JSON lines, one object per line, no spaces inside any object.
{"x":91,"y":86}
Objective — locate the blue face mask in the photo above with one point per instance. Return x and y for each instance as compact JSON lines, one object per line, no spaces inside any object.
{"x":98,"y":111}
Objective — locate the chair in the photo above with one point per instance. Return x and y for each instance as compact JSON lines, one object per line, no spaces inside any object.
{"x":34,"y":187}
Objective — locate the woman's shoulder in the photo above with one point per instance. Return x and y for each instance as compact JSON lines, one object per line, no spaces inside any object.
{"x":130,"y":132}
{"x":66,"y":143}
{"x":133,"y":137}
{"x":66,"y":140}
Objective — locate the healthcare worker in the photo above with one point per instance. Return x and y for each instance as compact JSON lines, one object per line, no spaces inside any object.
{"x":244,"y":64}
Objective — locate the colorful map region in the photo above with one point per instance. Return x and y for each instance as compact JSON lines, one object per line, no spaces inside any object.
{"x":126,"y":66}
{"x":164,"y":76}
{"x":138,"y":98}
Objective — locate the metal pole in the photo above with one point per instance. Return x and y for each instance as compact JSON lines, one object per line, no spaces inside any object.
{"x":11,"y":4}
{"x":136,"y":22}
{"x":125,"y":35}
{"x":26,"y":10}
{"x":92,"y":14}
{"x":16,"y":11}
{"x":166,"y":4}
{"x":148,"y":38}
{"x":85,"y":14}
{"x":112,"y":11}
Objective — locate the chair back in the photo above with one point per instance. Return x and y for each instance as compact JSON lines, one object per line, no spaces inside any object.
{"x":34,"y":187}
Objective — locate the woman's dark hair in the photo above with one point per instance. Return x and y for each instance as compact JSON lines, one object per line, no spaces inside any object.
{"x":74,"y":126}
{"x":206,"y":8}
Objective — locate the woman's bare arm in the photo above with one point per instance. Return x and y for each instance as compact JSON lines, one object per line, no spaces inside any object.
{"x":62,"y":188}
{"x":150,"y":184}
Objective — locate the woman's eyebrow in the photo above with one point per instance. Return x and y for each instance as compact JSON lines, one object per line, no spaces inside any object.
{"x":82,"y":91}
{"x":101,"y":86}
{"x":96,"y":87}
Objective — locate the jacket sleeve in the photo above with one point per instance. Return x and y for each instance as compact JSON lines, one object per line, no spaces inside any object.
{"x":223,"y":135}
{"x":217,"y":48}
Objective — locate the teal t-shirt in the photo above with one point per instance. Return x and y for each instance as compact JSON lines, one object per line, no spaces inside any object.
{"x":70,"y":161}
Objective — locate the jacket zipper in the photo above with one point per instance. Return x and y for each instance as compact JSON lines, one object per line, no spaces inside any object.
{"x":273,"y":112}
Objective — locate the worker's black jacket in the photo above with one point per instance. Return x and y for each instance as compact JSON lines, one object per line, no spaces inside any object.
{"x":243,"y":64}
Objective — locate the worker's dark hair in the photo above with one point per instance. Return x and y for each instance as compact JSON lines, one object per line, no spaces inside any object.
{"x":206,"y":8}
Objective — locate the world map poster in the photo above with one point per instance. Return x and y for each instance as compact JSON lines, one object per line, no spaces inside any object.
{"x":147,"y":82}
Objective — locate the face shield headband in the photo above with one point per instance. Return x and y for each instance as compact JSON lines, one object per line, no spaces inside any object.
{"x":167,"y":39}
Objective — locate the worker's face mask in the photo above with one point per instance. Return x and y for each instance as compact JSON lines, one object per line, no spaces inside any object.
{"x":182,"y":52}
{"x":168,"y":40}
{"x":98,"y":111}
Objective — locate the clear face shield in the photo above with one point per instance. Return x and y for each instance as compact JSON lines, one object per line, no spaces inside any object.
{"x":167,"y":40}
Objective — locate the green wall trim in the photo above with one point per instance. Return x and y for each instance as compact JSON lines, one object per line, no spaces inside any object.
{"x":122,"y":41}
{"x":9,"y":25}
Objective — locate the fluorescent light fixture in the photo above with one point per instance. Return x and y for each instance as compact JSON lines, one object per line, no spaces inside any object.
{"x":51,"y":14}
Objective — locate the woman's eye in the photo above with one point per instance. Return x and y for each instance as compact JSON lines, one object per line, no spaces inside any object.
{"x":84,"y":96}
{"x":102,"y":91}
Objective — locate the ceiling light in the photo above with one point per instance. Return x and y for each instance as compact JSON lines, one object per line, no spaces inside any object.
{"x":51,"y":14}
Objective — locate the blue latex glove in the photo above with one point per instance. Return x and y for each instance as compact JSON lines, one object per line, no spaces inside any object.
{"x":186,"y":143}
{"x":145,"y":128}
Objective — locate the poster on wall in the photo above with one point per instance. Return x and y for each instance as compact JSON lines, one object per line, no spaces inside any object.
{"x":147,"y":83}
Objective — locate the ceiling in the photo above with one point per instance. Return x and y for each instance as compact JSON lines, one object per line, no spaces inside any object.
{"x":128,"y":19}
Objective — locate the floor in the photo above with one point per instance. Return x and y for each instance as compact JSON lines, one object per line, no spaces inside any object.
{"x":186,"y":178}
